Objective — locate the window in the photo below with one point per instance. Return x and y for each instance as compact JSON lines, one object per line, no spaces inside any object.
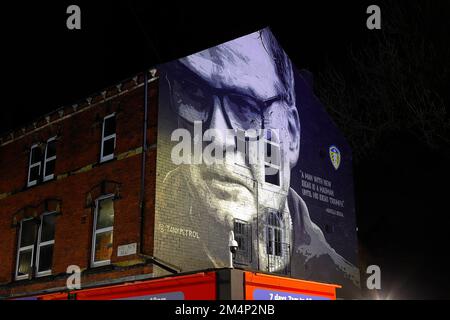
{"x":246,"y":143}
{"x":102,"y":236}
{"x":272,"y":161}
{"x":242,"y":235}
{"x":274,"y":235}
{"x":46,"y":242}
{"x":50,"y":159}
{"x":47,"y":163}
{"x":277,"y":243}
{"x":25,"y":253}
{"x":108,"y":138}
{"x":28,"y":261}
{"x":34,"y":171}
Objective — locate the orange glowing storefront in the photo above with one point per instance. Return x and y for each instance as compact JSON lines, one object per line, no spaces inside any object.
{"x":221,"y":284}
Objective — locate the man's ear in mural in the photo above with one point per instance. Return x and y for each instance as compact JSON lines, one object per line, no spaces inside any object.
{"x":294,"y":135}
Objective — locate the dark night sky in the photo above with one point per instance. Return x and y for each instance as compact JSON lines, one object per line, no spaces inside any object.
{"x":58,"y":66}
{"x":401,"y":212}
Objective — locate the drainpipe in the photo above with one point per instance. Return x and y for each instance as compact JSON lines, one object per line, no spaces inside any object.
{"x":144,"y":158}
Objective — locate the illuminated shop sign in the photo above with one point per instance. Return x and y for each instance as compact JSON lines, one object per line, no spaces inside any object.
{"x":162,"y":296}
{"x":262,"y":294}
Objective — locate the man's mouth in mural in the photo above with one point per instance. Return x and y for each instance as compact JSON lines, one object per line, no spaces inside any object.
{"x":227,"y":185}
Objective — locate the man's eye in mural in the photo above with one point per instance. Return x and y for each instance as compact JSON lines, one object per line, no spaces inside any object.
{"x":195,"y":102}
{"x":192,"y":90}
{"x":244,"y":112}
{"x":190,"y":101}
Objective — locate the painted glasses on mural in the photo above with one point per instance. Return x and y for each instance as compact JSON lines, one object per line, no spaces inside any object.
{"x":234,"y":138}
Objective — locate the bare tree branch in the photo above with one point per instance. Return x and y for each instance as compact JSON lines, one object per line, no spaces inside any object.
{"x":394,"y":85}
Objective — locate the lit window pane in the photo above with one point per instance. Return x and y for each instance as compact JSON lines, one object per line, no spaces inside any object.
{"x":24,"y":262}
{"x":108,"y":147}
{"x":48,"y":228}
{"x":28,"y":234}
{"x":45,"y":258}
{"x":105,"y":216}
{"x":103,"y":246}
{"x":50,"y":168}
{"x":110,"y":126}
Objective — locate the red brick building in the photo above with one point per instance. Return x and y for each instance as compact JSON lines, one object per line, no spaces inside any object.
{"x":72,"y":193}
{"x":95,"y":186}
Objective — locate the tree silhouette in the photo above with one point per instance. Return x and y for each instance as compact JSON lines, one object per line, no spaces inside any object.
{"x":395,"y":83}
{"x":390,"y":97}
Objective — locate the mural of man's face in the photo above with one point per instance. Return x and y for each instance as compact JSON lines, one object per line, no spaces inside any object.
{"x":236,"y":86}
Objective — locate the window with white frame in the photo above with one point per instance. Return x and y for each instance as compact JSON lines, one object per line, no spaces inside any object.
{"x":108,"y":138}
{"x":246,"y":143}
{"x":42,"y":166}
{"x":102,"y":236}
{"x":50,"y":159}
{"x":46,"y":242}
{"x":31,"y":230}
{"x":25,"y":252}
{"x":34,"y":168}
{"x":272,"y":159}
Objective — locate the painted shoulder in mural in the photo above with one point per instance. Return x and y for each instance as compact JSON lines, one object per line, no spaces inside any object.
{"x":245,"y":146}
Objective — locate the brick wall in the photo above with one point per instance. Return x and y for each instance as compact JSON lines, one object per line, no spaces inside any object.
{"x":79,"y":178}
